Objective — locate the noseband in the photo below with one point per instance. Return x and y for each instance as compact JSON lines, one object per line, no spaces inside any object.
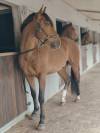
{"x":42,"y":42}
{"x":48,"y":37}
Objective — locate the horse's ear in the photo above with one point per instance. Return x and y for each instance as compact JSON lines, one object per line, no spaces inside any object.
{"x":41,"y":10}
{"x":44,"y":9}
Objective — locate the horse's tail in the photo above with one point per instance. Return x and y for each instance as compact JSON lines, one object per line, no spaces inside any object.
{"x":74,"y":84}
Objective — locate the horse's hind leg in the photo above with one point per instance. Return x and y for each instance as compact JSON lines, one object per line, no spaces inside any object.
{"x":33,"y":93}
{"x":63,"y":74}
{"x":75,"y":80}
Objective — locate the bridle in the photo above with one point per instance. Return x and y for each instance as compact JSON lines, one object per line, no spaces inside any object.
{"x":48,"y":37}
{"x":40,"y":41}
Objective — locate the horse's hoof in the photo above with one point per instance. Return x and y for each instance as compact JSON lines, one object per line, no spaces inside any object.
{"x":29,"y":116}
{"x":75,"y":100}
{"x":62,"y":103}
{"x":35,"y":112}
{"x":78,"y":97}
{"x":41,"y":126}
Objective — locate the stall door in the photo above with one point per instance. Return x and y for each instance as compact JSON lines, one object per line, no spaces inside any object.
{"x":89,"y":55}
{"x":94,"y":54}
{"x":84,"y":57}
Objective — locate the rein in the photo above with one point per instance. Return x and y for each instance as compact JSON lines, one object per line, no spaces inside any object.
{"x":32,"y":49}
{"x":26,"y":51}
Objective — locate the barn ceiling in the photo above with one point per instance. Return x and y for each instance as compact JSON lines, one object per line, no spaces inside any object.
{"x":90,"y":8}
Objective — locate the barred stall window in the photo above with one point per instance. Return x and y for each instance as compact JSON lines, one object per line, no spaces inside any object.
{"x":7,"y":42}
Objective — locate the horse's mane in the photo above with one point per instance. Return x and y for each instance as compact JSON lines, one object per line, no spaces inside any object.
{"x":30,"y":18}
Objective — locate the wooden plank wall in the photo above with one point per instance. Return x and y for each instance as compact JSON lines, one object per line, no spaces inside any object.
{"x":12,"y":94}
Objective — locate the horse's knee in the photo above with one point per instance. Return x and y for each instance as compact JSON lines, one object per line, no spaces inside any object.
{"x":33,"y":93}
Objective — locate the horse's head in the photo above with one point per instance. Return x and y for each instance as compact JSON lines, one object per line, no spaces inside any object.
{"x":86,"y":38}
{"x":69,"y":31}
{"x":44,"y":29}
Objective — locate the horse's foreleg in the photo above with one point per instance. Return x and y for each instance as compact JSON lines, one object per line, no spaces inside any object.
{"x":75,"y":80}
{"x":33,"y":94}
{"x":41,"y":101}
{"x":63,"y":74}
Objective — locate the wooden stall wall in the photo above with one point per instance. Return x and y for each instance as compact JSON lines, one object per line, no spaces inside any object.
{"x":90,"y":51}
{"x":84,"y":57}
{"x":12,"y":94}
{"x":94,"y":47}
{"x":96,"y":52}
{"x":83,"y":50}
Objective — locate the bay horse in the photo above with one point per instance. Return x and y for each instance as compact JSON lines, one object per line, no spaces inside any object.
{"x":42,"y":52}
{"x":68,"y":31}
{"x":85,"y":38}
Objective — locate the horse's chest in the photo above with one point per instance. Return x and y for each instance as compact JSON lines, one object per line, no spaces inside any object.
{"x":56,"y":60}
{"x":57,"y":57}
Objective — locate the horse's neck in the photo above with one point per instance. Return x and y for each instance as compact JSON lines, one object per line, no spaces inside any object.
{"x":28,"y":38}
{"x":66,"y":34}
{"x":66,"y":37}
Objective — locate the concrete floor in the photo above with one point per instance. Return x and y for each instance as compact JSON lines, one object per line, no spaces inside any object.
{"x":80,"y":117}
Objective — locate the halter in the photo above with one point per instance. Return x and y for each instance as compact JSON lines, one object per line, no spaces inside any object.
{"x":42,"y":42}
